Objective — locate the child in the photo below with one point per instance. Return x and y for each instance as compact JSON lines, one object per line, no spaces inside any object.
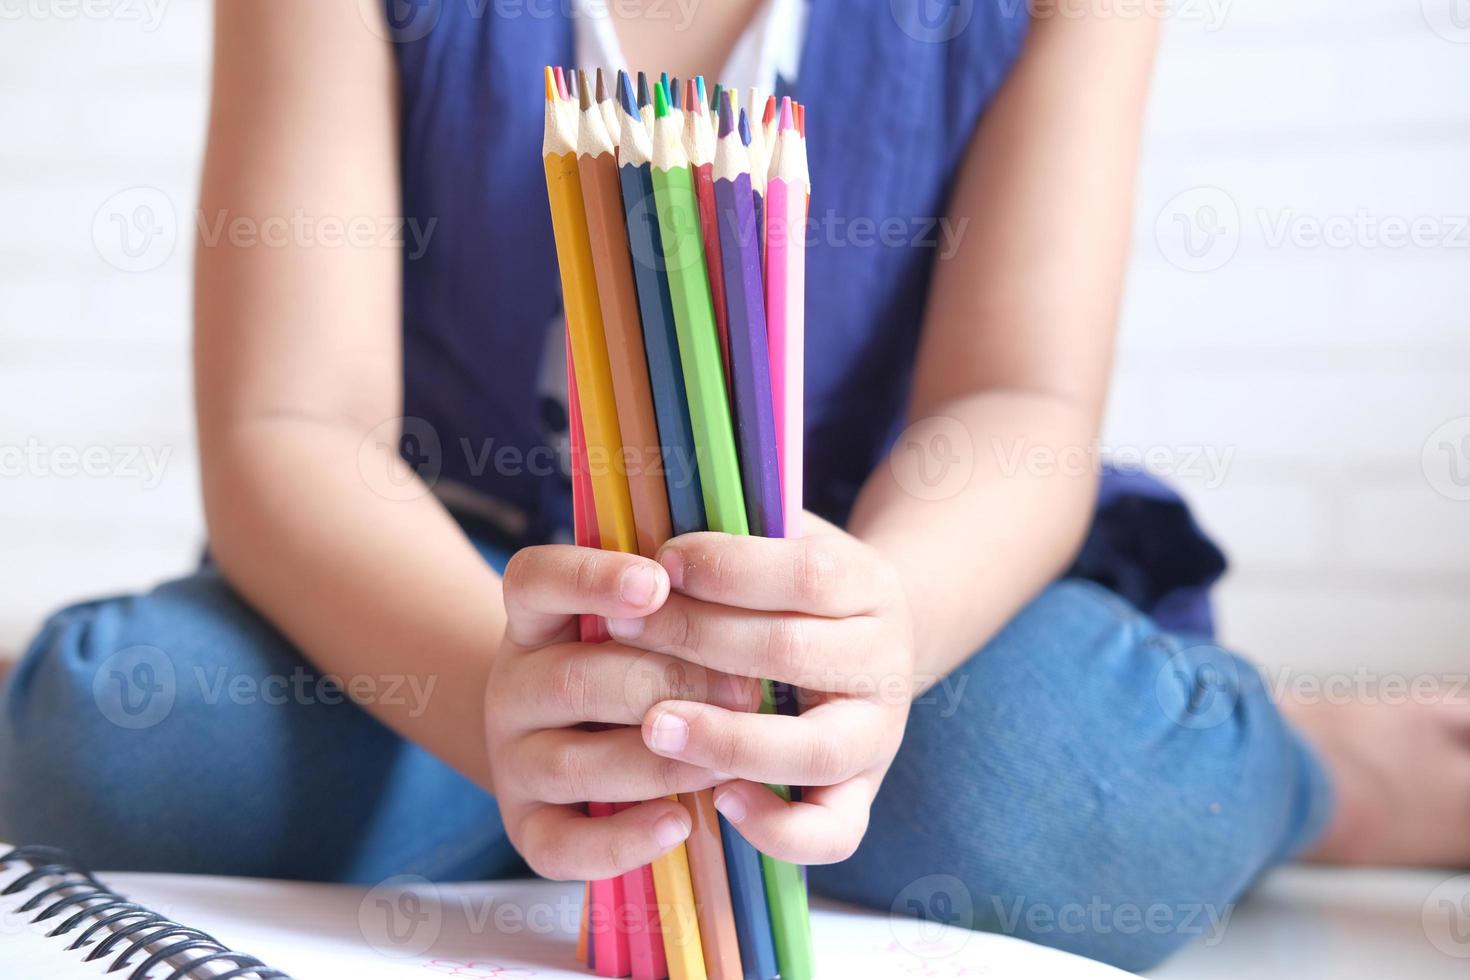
{"x":1096,"y":749}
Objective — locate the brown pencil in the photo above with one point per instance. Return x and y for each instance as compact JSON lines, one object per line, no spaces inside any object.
{"x":603,"y":197}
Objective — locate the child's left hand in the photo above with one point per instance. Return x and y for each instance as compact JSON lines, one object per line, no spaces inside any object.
{"x":825,"y":613}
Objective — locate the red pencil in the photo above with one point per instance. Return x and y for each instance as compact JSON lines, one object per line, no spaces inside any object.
{"x":699,"y":138}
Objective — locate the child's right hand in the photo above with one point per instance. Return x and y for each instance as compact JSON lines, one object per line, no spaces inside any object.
{"x":545,"y":684}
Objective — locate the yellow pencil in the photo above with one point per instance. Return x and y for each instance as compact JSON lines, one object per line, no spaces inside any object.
{"x":585,"y":331}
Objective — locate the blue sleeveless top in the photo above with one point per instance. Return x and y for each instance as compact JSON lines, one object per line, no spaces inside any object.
{"x":479,"y":300}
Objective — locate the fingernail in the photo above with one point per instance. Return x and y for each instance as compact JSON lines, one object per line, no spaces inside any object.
{"x":673,"y":563}
{"x":625,"y":629}
{"x":670,"y":830}
{"x":722,"y":777}
{"x":638,"y":585}
{"x":669,"y":733}
{"x":730,"y":804}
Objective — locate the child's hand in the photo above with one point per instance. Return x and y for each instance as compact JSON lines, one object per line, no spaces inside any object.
{"x":825,"y":613}
{"x":544,"y":684}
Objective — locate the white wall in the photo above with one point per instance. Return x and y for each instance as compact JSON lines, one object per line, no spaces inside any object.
{"x":1319,"y":373}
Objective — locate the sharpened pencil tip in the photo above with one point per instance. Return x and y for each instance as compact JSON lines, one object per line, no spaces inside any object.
{"x":727,"y":116}
{"x":788,"y":117}
{"x":801,"y":119}
{"x":744,"y":128}
{"x":699,"y":89}
{"x":770,"y":115}
{"x":551,"y":92}
{"x":601,"y":87}
{"x":676,"y":94}
{"x":690,"y":102}
{"x":584,"y":91}
{"x":644,"y":96}
{"x":561,"y":82}
{"x":660,"y":101}
{"x":626,"y":95}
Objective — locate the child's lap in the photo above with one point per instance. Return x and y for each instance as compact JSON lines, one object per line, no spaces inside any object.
{"x":179,"y":731}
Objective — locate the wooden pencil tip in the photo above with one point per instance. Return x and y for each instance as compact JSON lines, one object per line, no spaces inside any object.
{"x":690,"y":101}
{"x":676,"y":94}
{"x":801,"y":119}
{"x":788,"y":116}
{"x":584,"y":91}
{"x":601,"y":87}
{"x":551,"y":92}
{"x":745,"y":136}
{"x":561,"y":82}
{"x":699,"y":89}
{"x":644,"y":96}
{"x":660,"y":101}
{"x":770,"y":115}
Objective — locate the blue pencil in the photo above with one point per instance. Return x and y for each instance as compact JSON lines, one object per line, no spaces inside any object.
{"x":660,"y":342}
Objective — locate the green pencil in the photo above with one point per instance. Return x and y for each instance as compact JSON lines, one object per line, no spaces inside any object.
{"x":694,"y":323}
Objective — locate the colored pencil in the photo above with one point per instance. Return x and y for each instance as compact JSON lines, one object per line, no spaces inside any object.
{"x":718,"y":932}
{"x":585,"y":330}
{"x":642,"y":460}
{"x":694,"y":321}
{"x":608,"y":110}
{"x":660,"y":338}
{"x":698,"y":143}
{"x":749,"y":353}
{"x":760,"y":162}
{"x":786,"y":212}
{"x":606,"y":945}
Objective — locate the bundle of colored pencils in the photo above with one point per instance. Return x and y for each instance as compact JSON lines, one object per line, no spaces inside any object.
{"x":680,"y":220}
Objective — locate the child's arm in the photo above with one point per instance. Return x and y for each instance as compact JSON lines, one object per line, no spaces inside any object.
{"x":297,"y":367}
{"x":1017,"y":347}
{"x":947,"y":541}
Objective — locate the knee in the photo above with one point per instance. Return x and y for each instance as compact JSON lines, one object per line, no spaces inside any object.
{"x":1051,"y":789}
{"x":113,"y":714}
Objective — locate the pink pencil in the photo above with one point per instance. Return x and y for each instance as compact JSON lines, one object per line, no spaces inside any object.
{"x":786,"y":211}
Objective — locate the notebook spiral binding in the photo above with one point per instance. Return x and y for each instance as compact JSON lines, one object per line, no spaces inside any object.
{"x":121,"y":929}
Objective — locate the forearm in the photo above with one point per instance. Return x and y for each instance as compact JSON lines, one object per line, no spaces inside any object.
{"x":980,"y":505}
{"x":387,"y":595}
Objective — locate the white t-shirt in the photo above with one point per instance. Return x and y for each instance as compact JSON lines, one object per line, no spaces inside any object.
{"x":769,"y":49}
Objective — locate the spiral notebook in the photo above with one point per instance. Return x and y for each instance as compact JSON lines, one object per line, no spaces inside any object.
{"x":58,"y":922}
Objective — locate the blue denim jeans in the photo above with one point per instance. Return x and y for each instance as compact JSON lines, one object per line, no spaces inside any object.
{"x":1086,"y":781}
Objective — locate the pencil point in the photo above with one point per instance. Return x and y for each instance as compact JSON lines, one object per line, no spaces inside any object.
{"x":584,"y":93}
{"x":727,"y":116}
{"x":644,"y":96}
{"x":626,"y":95}
{"x":551,"y":92}
{"x":744,"y":128}
{"x":561,"y":82}
{"x":571,"y":76}
{"x":770,"y":115}
{"x":601,"y":87}
{"x":660,"y":102}
{"x":676,"y":94}
{"x":788,"y":118}
{"x":801,"y":119}
{"x":690,"y":102}
{"x":699,"y":90}
{"x":717,"y":99}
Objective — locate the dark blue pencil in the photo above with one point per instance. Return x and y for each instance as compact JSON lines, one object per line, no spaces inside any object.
{"x":660,"y":341}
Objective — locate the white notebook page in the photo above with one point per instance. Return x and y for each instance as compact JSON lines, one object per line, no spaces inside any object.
{"x":409,"y":928}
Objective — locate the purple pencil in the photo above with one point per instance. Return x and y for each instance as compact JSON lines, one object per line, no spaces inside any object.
{"x":750,"y":370}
